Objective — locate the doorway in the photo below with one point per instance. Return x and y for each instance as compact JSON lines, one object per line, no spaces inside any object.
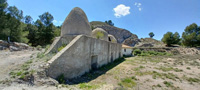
{"x":94,"y":62}
{"x":111,"y":57}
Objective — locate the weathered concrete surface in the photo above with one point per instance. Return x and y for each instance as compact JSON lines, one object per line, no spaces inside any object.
{"x":59,"y":41}
{"x":79,"y":56}
{"x":99,"y":33}
{"x":76,"y":23}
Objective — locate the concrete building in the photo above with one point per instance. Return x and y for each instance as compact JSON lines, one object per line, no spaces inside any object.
{"x":127,"y":50}
{"x":83,"y":51}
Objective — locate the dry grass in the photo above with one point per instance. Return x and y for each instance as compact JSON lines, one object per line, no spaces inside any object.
{"x":151,"y":72}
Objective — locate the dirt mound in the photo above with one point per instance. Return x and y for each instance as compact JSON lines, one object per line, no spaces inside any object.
{"x":190,"y":51}
{"x":150,"y":42}
{"x":175,"y":51}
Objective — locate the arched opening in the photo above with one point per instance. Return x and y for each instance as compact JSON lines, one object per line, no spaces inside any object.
{"x":109,"y":39}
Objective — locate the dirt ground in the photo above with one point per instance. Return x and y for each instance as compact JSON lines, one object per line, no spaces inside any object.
{"x":176,"y":72}
{"x":179,"y":72}
{"x":11,"y":60}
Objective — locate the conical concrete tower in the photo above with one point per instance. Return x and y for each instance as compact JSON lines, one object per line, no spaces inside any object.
{"x":76,"y":23}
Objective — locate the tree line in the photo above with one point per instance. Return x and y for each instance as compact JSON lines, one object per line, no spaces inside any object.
{"x":21,"y":28}
{"x":190,"y":36}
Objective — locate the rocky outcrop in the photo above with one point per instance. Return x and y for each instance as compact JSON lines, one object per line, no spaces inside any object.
{"x":13,"y":46}
{"x":122,"y":35}
{"x":132,"y":40}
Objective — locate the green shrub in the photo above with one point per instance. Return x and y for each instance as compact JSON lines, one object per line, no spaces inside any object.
{"x":60,"y":48}
{"x":168,"y":84}
{"x":188,"y":68}
{"x":137,"y":52}
{"x":19,"y":73}
{"x":40,"y":55}
{"x":193,"y":79}
{"x":47,"y":47}
{"x":85,"y":86}
{"x":39,"y":47}
{"x":22,"y":77}
{"x":159,"y":85}
{"x":99,"y":35}
{"x":61,"y":79}
{"x":128,"y":82}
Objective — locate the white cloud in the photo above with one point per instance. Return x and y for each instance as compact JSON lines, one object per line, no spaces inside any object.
{"x":55,"y":21}
{"x":121,"y":10}
{"x":136,"y":3}
{"x":139,"y":6}
{"x":140,"y":9}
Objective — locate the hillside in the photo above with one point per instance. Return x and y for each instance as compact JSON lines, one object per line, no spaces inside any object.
{"x":149,"y":42}
{"x":122,"y":35}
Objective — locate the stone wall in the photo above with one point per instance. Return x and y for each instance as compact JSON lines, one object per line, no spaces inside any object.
{"x":81,"y":55}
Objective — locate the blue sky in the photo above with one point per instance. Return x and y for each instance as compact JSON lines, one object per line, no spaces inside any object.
{"x":138,"y":16}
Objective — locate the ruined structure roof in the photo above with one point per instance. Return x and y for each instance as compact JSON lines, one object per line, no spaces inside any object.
{"x":99,"y":33}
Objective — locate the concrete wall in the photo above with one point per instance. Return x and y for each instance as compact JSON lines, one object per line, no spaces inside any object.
{"x":127,"y":51}
{"x":80,"y":54}
{"x":59,"y":41}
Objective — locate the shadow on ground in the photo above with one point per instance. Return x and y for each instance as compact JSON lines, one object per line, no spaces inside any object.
{"x":93,"y":74}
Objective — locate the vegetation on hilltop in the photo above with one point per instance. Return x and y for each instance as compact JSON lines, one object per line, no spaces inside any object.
{"x":109,"y":22}
{"x":151,"y":34}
